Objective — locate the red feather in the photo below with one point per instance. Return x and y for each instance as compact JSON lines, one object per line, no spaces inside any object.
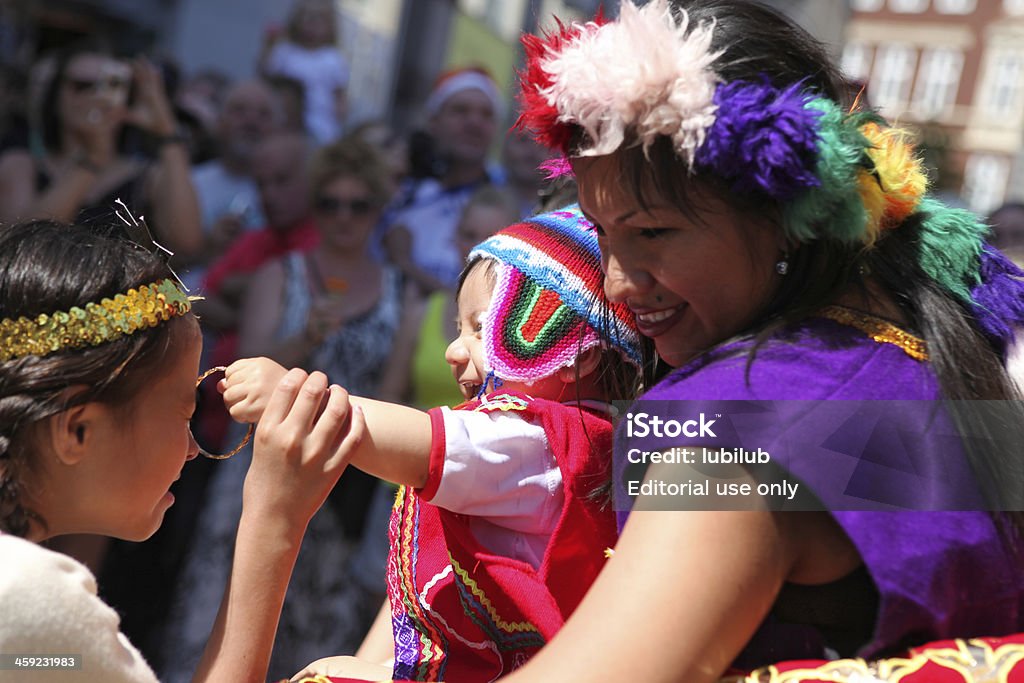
{"x":536,"y":115}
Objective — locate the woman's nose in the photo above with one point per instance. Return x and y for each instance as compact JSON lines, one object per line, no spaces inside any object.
{"x":623,"y":278}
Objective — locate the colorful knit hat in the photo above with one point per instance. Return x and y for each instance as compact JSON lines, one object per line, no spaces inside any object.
{"x":548,"y":304}
{"x":835,"y":174}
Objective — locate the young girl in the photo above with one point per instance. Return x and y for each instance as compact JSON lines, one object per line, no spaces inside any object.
{"x":310,"y":56}
{"x":501,"y":525}
{"x":99,"y":355}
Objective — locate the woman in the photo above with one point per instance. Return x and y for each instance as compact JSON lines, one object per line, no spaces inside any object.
{"x":98,"y":364}
{"x":335,"y":309}
{"x":776,"y":244}
{"x":82,"y":168}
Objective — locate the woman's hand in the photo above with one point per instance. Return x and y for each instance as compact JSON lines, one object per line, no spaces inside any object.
{"x":300,"y":452}
{"x":151,"y":110}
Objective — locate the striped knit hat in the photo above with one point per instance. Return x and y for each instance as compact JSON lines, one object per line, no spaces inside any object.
{"x":548,"y":304}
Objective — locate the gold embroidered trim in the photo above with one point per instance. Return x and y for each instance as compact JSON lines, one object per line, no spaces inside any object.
{"x":880,"y":330}
{"x":94,"y":323}
{"x":973,"y":660}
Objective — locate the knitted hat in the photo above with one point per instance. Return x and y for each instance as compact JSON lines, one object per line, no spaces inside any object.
{"x":548,"y":304}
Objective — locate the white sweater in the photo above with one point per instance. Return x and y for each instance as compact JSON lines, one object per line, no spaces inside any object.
{"x":48,"y":605}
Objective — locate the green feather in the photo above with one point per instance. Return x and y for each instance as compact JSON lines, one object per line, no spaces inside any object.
{"x":950,"y":249}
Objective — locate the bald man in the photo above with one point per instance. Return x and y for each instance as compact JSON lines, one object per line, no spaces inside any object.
{"x":228,"y":199}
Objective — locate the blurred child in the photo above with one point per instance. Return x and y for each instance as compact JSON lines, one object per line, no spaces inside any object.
{"x":309,"y":54}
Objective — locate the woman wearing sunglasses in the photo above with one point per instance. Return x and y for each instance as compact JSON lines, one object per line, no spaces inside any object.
{"x":333,"y":308}
{"x":83,"y":167}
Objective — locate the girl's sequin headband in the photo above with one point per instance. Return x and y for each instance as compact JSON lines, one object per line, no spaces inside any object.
{"x":835,"y":174}
{"x":94,"y":323}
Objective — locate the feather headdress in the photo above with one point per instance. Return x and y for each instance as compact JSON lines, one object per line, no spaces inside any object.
{"x":591,"y":89}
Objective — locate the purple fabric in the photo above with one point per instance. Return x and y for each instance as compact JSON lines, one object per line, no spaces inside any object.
{"x":999,"y":299}
{"x":939,"y":574}
{"x":763,"y":139}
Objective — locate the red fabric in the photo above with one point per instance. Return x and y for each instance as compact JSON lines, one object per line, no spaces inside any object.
{"x":436,"y":467}
{"x":481,"y":597}
{"x":253,"y":249}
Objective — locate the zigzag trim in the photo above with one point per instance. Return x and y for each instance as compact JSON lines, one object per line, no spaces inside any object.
{"x":483,"y":601}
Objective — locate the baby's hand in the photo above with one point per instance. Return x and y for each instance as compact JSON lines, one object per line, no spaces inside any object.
{"x":247,"y":386}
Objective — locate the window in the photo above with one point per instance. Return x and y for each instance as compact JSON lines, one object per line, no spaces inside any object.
{"x":985,"y":182}
{"x":937,"y":81}
{"x":1004,"y":85}
{"x":890,"y":83}
{"x":908,"y":6}
{"x":866,"y":5}
{"x":857,"y":61}
{"x":955,"y":6}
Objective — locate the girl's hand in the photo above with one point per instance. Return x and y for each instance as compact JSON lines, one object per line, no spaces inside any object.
{"x":247,"y":386}
{"x":299,"y":452}
{"x":152,"y":110}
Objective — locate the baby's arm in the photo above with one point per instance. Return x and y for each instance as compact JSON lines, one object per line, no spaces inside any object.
{"x":396,"y":446}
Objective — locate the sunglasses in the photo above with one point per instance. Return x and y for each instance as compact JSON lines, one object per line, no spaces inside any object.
{"x":332,"y":205}
{"x":94,"y":85}
{"x":211,"y":420}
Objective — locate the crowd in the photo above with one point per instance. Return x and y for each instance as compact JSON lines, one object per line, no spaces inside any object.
{"x":691,"y":209}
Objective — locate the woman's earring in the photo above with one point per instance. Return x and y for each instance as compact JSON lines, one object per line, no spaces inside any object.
{"x":782,"y":266}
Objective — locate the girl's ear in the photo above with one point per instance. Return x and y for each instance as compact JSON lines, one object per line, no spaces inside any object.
{"x":585,"y":364}
{"x":71,"y":432}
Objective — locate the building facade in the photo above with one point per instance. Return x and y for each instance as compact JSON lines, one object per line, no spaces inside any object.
{"x":955,"y":69}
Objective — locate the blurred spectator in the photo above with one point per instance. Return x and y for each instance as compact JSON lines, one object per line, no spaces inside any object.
{"x":279,"y":167}
{"x":521,"y":157}
{"x":463,"y":110}
{"x":81,"y":169}
{"x":1008,"y":230}
{"x":14,"y":132}
{"x":391,"y":146}
{"x":202,"y":95}
{"x":423,"y":378}
{"x":309,"y":53}
{"x":228,"y":198}
{"x":197,"y":102}
{"x":290,"y":95}
{"x":330,"y":308}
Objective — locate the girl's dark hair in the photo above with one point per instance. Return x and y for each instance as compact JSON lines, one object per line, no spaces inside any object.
{"x":755,"y":43}
{"x":47,"y":267}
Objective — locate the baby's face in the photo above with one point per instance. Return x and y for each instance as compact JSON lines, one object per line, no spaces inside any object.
{"x":465,"y":354}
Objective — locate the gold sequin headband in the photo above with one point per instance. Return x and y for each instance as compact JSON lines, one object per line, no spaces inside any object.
{"x":94,"y":323}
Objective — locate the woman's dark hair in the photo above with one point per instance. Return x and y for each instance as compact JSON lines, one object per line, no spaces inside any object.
{"x":755,"y":43}
{"x":47,"y":267}
{"x":50,"y":122}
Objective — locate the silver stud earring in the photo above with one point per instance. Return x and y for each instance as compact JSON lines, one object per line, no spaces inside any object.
{"x":782,"y":266}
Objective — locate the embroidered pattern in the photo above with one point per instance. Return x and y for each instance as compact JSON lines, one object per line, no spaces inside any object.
{"x":969,"y":661}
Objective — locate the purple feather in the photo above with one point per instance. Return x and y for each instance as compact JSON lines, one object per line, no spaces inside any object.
{"x":763,"y":139}
{"x":999,"y":299}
